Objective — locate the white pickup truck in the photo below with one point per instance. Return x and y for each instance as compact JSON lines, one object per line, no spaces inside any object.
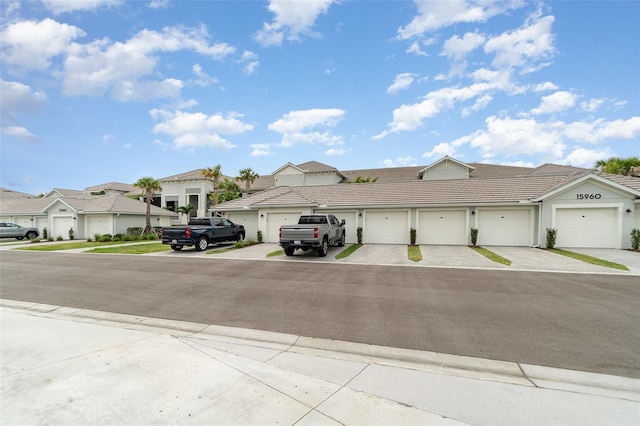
{"x":314,"y":231}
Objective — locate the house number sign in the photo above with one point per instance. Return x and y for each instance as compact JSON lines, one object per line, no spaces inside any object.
{"x":588,"y":196}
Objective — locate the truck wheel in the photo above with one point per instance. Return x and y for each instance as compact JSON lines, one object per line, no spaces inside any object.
{"x":175,"y":247}
{"x":239,"y":237}
{"x":289,"y":251}
{"x":202,"y":244}
{"x":31,"y":235}
{"x":341,"y":242}
{"x":324,"y":248}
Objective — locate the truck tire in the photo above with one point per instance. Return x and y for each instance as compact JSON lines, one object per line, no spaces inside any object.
{"x":239,"y":237}
{"x":341,"y":241}
{"x":202,"y":243}
{"x":289,"y":251}
{"x":324,"y":248}
{"x":176,"y":247}
{"x":31,"y":235}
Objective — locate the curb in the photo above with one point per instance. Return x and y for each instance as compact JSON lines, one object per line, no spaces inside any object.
{"x":447,"y":364}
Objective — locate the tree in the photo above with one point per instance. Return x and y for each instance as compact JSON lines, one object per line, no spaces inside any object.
{"x":231,"y":190}
{"x":214,"y":175}
{"x":149,"y":187}
{"x":248,"y":176}
{"x":620,"y":166}
{"x":185,"y":209}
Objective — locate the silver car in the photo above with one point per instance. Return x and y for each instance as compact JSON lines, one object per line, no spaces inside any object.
{"x":12,"y":230}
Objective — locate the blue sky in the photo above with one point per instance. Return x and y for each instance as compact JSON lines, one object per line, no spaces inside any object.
{"x":107,"y":90}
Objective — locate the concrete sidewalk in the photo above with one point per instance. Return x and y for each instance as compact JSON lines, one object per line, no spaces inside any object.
{"x":65,"y":366}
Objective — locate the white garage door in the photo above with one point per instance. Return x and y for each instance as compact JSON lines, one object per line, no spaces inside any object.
{"x":60,"y":226}
{"x":386,"y":227}
{"x":24,"y":221}
{"x":248,"y":220}
{"x":275,"y":220}
{"x":587,"y":227}
{"x":351,"y":223}
{"x":442,"y":227}
{"x":102,"y":224}
{"x":505,"y":227}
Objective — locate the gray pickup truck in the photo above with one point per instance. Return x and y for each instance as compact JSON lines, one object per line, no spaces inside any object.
{"x":11,"y":230}
{"x":315,"y":231}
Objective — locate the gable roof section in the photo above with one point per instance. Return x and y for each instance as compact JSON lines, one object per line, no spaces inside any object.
{"x":444,"y":159}
{"x":578,"y":179}
{"x":115,"y":203}
{"x":24,"y":206}
{"x":112,"y":186}
{"x":192,"y":175}
{"x":6,"y":194}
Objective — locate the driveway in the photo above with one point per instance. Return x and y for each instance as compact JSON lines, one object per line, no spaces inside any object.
{"x":522,"y":258}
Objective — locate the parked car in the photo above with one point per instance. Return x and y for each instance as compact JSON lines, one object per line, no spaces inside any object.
{"x":12,"y":230}
{"x":315,"y":231}
{"x":202,"y":231}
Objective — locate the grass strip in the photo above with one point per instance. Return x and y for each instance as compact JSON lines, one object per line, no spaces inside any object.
{"x":133,"y":249}
{"x":76,"y":245}
{"x":414,"y":254}
{"x":589,"y":259}
{"x":348,"y":251}
{"x":276,"y":253}
{"x":236,"y":246}
{"x":492,"y":256}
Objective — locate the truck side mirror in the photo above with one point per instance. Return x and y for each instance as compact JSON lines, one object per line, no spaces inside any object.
{"x":343,"y":222}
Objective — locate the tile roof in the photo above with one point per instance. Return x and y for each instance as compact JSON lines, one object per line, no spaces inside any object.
{"x":507,"y":190}
{"x":6,"y":194}
{"x":114,"y":186}
{"x":114,"y":203}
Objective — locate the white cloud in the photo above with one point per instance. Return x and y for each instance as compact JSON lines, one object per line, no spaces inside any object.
{"x":30,"y":45}
{"x":582,"y":157}
{"x":441,"y":150}
{"x":101,"y":66}
{"x":297,"y":127}
{"x":158,"y":4}
{"x":250,"y":62}
{"x":335,"y":151}
{"x":558,"y":101}
{"x":433,"y":15}
{"x":63,"y":6}
{"x":507,"y":136}
{"x":19,"y":133}
{"x":523,"y":47}
{"x":17,"y":98}
{"x":292,"y":19}
{"x":204,"y":79}
{"x":457,"y":48}
{"x":196,"y":130}
{"x":545,"y":87}
{"x":398,"y":162}
{"x":402,"y":82}
{"x":261,"y":150}
{"x":593,"y":104}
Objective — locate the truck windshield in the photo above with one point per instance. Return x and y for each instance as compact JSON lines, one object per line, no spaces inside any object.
{"x":312,"y":220}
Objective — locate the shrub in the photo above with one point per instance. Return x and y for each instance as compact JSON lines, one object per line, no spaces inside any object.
{"x":72,"y":235}
{"x":635,"y":239}
{"x":474,"y":236}
{"x":259,"y":236}
{"x":135,"y":231}
{"x":45,"y":233}
{"x":412,"y":235}
{"x":59,"y":238}
{"x":359,"y":234}
{"x":551,"y":237}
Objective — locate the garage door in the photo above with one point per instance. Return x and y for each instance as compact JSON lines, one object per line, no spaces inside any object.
{"x":505,"y":227}
{"x":351,"y":223}
{"x":386,"y":227}
{"x":99,"y":225}
{"x":442,"y":227}
{"x":587,"y":227}
{"x":275,"y":220}
{"x":60,"y":226}
{"x":248,"y":220}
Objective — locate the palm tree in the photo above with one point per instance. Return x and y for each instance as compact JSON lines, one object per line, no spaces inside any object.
{"x":149,"y":187}
{"x":231,"y":190}
{"x":213,"y":174}
{"x":618,"y":166}
{"x":248,"y":176}
{"x":185,"y":209}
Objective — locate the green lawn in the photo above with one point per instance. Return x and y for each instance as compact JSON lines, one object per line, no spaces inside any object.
{"x":492,"y":256}
{"x":133,"y":248}
{"x":63,"y":245}
{"x":414,"y":254}
{"x":348,"y":251}
{"x":589,"y":259}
